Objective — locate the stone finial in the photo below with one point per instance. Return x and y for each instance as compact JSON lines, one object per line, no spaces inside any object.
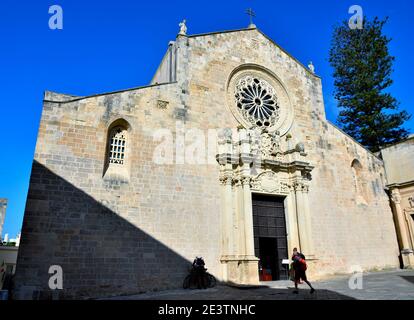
{"x":183,"y":28}
{"x":311,"y":67}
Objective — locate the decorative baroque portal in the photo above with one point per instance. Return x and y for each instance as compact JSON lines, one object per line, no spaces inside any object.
{"x":259,"y":157}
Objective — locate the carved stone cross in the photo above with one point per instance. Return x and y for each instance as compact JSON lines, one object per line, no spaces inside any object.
{"x":251,"y":14}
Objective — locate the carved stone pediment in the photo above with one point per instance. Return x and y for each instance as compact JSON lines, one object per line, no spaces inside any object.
{"x":269,"y":182}
{"x":258,"y":149}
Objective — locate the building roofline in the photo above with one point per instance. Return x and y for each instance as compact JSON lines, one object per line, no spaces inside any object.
{"x":353,"y":139}
{"x":217,"y":32}
{"x":400,"y":184}
{"x":411,"y":137}
{"x":263,"y":34}
{"x":107,"y":93}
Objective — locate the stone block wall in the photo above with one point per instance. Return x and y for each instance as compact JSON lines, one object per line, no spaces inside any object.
{"x":116,"y":237}
{"x":352,"y":223}
{"x":112,"y":237}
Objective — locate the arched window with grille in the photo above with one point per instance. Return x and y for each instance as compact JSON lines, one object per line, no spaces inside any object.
{"x":117,"y":145}
{"x":117,"y":150}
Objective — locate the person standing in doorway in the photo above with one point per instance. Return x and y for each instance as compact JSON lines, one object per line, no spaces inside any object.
{"x":299,"y":266}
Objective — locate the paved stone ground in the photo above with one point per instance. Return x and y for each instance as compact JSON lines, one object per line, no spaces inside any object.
{"x":391,"y":285}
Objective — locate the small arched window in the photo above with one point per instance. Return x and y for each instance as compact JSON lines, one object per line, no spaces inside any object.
{"x":359,"y":181}
{"x":117,"y":150}
{"x":356,"y":173}
{"x":117,"y":145}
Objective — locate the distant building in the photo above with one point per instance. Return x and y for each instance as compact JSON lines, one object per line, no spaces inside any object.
{"x":11,"y":241}
{"x":399,"y":168}
{"x":8,"y":258}
{"x":3,"y":206}
{"x":16,"y":240}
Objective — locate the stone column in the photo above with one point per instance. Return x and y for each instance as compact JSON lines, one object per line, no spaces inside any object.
{"x":303,"y":214}
{"x":228,"y":223}
{"x":406,"y":252}
{"x":241,"y":244}
{"x":227,"y":232}
{"x":409,"y":222}
{"x":292,"y":222}
{"x":308,"y":221}
{"x":239,"y":263}
{"x":248,"y":218}
{"x":248,"y":263}
{"x":225,"y":150}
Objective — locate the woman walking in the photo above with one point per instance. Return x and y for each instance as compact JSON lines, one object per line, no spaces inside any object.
{"x":299,"y":267}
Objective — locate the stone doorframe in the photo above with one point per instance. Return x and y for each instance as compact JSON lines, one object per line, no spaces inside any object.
{"x":253,"y":162}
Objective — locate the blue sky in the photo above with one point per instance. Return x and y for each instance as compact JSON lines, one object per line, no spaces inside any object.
{"x":113,"y":45}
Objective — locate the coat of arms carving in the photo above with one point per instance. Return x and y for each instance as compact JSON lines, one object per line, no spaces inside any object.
{"x":267,"y":145}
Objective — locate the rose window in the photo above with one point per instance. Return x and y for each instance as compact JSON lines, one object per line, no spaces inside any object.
{"x":256,"y":100}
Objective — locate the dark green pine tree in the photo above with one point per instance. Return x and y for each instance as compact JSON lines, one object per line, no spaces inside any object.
{"x":362,"y":71}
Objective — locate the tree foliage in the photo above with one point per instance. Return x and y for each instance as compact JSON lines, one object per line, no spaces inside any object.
{"x":362,"y":70}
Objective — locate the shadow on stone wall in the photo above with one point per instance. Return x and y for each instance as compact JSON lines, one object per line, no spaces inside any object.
{"x":101,"y":253}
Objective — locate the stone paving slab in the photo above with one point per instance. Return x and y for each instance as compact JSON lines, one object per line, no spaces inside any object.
{"x":391,"y":285}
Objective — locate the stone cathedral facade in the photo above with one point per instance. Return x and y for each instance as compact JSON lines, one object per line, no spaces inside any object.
{"x":119,"y":222}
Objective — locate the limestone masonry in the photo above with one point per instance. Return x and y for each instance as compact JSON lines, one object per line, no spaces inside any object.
{"x":117,"y":222}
